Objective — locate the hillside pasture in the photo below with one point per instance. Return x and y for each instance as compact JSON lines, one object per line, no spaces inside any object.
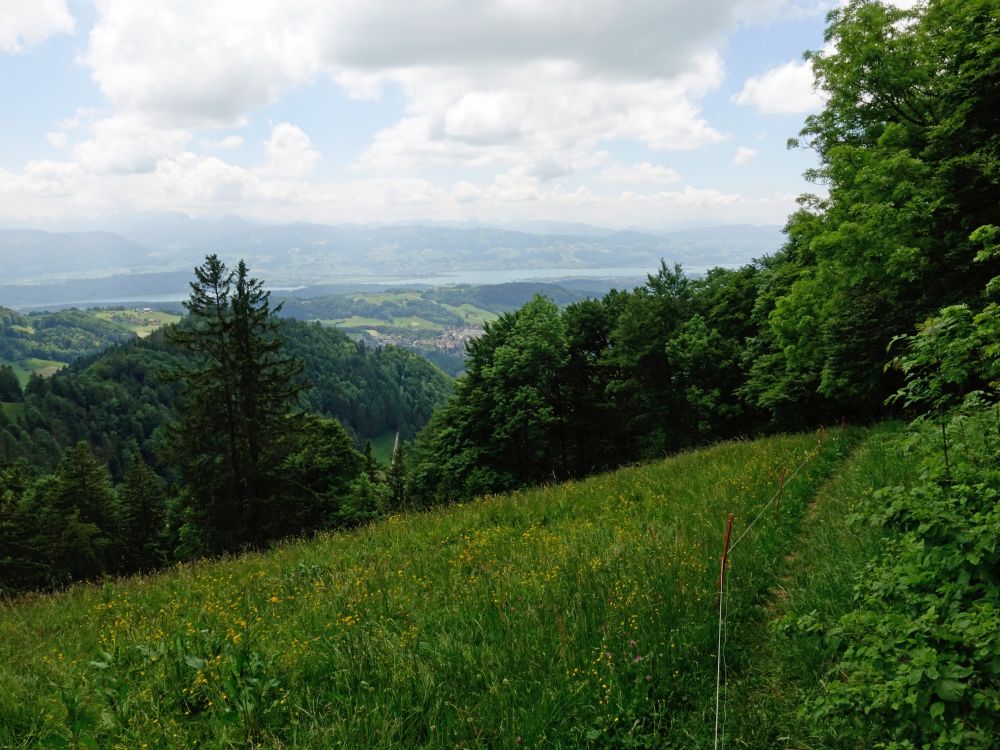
{"x":575,"y":615}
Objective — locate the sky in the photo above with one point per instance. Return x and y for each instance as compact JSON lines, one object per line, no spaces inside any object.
{"x":622,"y":113}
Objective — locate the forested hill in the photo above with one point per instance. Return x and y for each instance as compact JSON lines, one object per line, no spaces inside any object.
{"x":119,"y":403}
{"x":60,"y":336}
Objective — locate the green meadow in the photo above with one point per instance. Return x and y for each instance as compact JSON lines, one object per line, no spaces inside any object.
{"x":575,"y":615}
{"x":24,"y":368}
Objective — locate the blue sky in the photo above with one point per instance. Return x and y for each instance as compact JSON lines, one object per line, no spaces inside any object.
{"x":641,"y":113}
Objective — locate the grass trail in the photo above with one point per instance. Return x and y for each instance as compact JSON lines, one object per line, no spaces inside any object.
{"x":576,"y":615}
{"x":824,"y":561}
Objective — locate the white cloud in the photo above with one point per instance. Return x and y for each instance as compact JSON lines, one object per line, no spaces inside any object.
{"x":486,"y":83}
{"x":126,"y":144}
{"x":289,"y":153}
{"x":539,"y":115}
{"x":229,"y":142}
{"x":201,"y":62}
{"x":641,"y":173}
{"x":25,"y":23}
{"x":786,"y":89}
{"x":514,"y":101}
{"x":744,"y":155}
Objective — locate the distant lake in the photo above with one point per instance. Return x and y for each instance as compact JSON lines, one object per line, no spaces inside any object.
{"x":633,"y":275}
{"x":506,"y":275}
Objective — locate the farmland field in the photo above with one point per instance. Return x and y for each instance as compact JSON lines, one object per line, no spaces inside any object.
{"x":23,"y":368}
{"x":140,"y":322}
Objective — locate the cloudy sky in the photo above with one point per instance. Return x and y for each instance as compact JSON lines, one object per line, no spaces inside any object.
{"x":613,"y":112}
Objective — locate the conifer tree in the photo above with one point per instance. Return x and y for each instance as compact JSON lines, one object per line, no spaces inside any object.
{"x":142,"y":507}
{"x":239,"y":392}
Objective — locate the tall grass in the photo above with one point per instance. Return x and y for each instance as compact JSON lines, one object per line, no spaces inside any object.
{"x":576,"y":615}
{"x":788,"y":665}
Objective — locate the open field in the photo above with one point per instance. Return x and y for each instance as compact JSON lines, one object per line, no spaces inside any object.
{"x":23,"y":368}
{"x":575,"y":615}
{"x":382,"y":446}
{"x":140,"y":322}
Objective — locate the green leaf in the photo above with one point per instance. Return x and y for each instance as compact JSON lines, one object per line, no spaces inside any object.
{"x":194,"y":662}
{"x":949,"y":690}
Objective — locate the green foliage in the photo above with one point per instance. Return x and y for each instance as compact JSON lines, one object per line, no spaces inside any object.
{"x":60,"y":528}
{"x":918,"y":657}
{"x":61,"y":336}
{"x":910,"y":154}
{"x":319,"y":474}
{"x":142,"y":509}
{"x":551,"y":393}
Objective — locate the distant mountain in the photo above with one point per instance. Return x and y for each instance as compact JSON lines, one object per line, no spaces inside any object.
{"x":728,"y":244}
{"x":30,"y":253}
{"x":177,"y":231}
{"x":321,"y":251}
{"x":565,"y":228}
{"x":292,"y":255}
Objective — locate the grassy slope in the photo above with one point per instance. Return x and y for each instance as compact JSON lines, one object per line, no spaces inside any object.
{"x":569,"y":616}
{"x":382,"y":447}
{"x":24,"y":367}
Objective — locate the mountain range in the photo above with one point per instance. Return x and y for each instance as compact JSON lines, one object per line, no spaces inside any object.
{"x":143,"y":257}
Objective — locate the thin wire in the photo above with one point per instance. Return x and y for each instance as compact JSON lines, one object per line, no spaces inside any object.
{"x":724,"y":602}
{"x":725,"y":664}
{"x":810,"y":457}
{"x":722,"y":666}
{"x":718,"y":654}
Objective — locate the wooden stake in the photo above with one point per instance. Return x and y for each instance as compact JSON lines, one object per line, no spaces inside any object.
{"x":822,"y":435}
{"x":843,"y":424}
{"x":725,"y":555}
{"x":781,"y":487}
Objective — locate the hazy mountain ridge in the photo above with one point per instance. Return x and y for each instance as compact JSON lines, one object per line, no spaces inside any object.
{"x":147,"y":258}
{"x":32,"y":253}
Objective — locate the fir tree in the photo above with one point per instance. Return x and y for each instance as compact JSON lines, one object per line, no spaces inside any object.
{"x":239,"y":392}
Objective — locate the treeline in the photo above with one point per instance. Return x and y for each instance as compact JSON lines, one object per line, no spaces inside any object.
{"x":551,"y":393}
{"x":908,"y":152}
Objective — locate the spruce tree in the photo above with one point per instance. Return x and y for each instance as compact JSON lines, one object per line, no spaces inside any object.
{"x":142,"y":508}
{"x":240,"y":389}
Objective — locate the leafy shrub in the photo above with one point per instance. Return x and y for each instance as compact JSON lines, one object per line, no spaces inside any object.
{"x":919,"y":657}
